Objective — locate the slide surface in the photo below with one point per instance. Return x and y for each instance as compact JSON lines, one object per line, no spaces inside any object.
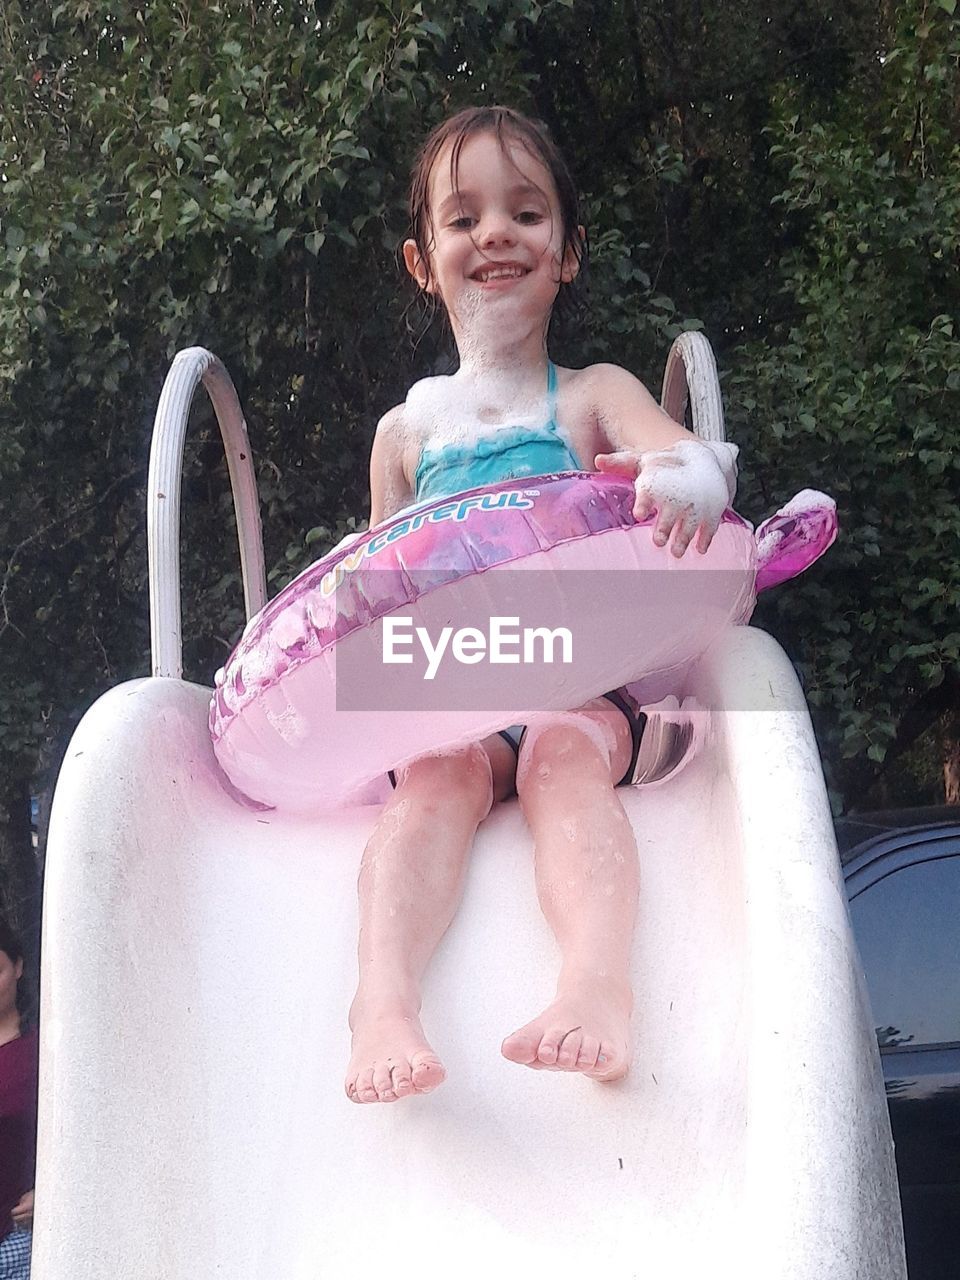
{"x":200,"y":958}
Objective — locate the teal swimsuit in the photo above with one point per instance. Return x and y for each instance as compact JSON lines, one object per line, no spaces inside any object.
{"x":510,"y":453}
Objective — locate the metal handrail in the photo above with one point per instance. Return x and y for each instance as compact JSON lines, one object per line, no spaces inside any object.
{"x":690,"y":378}
{"x":191,"y":367}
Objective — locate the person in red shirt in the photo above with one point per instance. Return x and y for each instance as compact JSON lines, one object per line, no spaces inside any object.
{"x":18,"y":1117}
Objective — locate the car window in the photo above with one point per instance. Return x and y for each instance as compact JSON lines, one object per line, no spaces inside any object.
{"x":907,"y":926}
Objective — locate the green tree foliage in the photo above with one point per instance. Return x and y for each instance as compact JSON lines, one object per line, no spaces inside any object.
{"x":232,"y":174}
{"x":860,"y":384}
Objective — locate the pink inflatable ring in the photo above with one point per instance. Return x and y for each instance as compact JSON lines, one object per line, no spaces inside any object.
{"x":338,"y":679}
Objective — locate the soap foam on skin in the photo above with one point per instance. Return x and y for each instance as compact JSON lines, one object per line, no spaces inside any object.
{"x":694,"y":476}
{"x":489,"y":390}
{"x":492,"y":390}
{"x":470,"y":405}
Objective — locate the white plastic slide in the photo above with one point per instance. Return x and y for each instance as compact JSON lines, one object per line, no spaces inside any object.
{"x":199,"y":960}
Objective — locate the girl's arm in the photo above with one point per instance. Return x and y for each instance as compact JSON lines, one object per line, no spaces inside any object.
{"x":627,"y":414}
{"x":687,"y":481}
{"x":390,"y":485}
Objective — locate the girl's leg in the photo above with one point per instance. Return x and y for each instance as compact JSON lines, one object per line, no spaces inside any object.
{"x":410,"y":883}
{"x":587,"y":877}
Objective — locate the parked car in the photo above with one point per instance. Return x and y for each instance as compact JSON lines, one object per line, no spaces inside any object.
{"x":902,"y":873}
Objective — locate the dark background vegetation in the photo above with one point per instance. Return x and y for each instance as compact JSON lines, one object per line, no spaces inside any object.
{"x":232,"y":174}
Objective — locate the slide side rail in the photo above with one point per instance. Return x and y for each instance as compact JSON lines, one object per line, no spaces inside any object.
{"x":191,"y":367}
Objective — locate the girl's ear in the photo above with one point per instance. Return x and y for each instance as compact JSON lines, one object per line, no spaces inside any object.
{"x":416,"y":266}
{"x":570,"y":267}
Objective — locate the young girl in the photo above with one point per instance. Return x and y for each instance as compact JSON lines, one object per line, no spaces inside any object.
{"x":495,"y":238}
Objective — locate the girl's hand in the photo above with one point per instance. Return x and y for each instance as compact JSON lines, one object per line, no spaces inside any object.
{"x":22,"y":1212}
{"x":689,"y":485}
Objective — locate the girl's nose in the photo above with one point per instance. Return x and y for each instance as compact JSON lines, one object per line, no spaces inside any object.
{"x":496,"y":228}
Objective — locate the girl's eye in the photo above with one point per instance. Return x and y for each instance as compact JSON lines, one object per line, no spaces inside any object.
{"x":530,"y":216}
{"x":463,"y":223}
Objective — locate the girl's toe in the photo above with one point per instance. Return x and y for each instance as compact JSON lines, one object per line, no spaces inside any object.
{"x":569,"y":1050}
{"x":402,"y":1080}
{"x":550,"y":1047}
{"x":383,"y":1080}
{"x":589,"y":1052}
{"x":365,"y":1089}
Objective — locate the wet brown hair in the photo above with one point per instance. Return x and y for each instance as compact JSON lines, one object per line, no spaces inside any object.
{"x":507,"y":126}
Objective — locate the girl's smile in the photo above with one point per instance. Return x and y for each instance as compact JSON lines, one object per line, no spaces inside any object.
{"x":499,"y":273}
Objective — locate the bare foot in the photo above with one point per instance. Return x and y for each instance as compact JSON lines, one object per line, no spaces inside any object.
{"x":586,"y":1029}
{"x":391,"y":1059}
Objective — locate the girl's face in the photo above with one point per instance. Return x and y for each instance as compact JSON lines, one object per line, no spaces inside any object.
{"x":10,"y":972}
{"x":497,"y":233}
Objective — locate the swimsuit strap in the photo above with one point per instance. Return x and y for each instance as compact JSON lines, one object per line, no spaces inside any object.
{"x":552,"y":392}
